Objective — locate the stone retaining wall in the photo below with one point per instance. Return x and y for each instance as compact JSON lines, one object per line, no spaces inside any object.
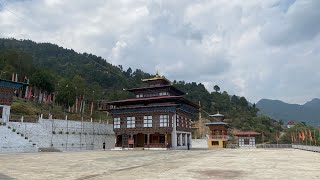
{"x":66,"y":135}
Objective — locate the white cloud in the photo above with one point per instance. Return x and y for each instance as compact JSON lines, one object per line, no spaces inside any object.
{"x":258,"y":49}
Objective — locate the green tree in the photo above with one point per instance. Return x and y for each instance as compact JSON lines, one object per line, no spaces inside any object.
{"x":66,"y":93}
{"x":43,"y":80}
{"x":216,"y":88}
{"x":243,"y":102}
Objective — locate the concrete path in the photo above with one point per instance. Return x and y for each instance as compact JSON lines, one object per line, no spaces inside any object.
{"x":186,"y":165}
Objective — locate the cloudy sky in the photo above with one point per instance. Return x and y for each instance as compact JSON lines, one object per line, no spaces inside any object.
{"x":257,"y":49}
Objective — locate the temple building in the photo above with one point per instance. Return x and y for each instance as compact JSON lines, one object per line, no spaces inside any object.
{"x":219,"y":131}
{"x":158,"y":117}
{"x":7,"y":89}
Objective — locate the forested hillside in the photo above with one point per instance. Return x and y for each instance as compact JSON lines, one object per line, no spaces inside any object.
{"x":308,"y":112}
{"x":68,"y":73}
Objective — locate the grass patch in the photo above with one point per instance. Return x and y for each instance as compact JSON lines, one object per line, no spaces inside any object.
{"x":21,"y":107}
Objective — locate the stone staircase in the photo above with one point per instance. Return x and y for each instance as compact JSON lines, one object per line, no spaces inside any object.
{"x":13,"y":141}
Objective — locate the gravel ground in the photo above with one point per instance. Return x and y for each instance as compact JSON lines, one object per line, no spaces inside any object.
{"x":172,"y":164}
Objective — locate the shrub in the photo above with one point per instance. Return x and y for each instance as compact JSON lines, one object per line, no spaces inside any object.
{"x":22,"y":109}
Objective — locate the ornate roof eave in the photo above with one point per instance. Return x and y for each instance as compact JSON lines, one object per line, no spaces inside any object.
{"x":140,"y":100}
{"x":157,"y":77}
{"x":143,"y":99}
{"x":152,"y":106}
{"x":217,"y":123}
{"x":156,"y":87}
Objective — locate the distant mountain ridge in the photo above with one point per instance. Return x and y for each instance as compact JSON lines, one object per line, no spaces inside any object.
{"x":314,"y":103}
{"x":308,"y":112}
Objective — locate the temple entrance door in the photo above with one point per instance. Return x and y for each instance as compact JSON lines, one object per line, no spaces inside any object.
{"x":125,"y":140}
{"x":140,"y":140}
{"x":119,"y":141}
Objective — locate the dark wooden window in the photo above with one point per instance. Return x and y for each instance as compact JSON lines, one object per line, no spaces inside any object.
{"x":178,"y":120}
{"x":147,"y":121}
{"x":131,"y":122}
{"x":116,"y":122}
{"x":214,"y":143}
{"x":164,"y":120}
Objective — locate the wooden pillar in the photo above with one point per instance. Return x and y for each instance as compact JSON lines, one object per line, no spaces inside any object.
{"x":165,"y":140}
{"x":115,"y":141}
{"x":148,"y":140}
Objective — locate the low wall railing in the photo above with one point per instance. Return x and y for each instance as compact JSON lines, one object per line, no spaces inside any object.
{"x":307,"y":148}
{"x":274,"y":146}
{"x":219,"y":137}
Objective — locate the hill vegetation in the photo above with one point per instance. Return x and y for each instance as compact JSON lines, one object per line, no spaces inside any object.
{"x":69,"y":74}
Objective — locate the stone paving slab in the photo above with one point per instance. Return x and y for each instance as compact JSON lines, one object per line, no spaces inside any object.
{"x":166,"y":165}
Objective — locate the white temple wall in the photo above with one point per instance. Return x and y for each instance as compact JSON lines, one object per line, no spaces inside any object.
{"x":184,"y":138}
{"x":5,"y":113}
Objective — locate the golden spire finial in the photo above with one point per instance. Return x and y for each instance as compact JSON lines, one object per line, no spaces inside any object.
{"x":157,"y":74}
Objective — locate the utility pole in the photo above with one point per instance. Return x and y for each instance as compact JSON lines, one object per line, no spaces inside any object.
{"x":92,"y":103}
{"x":93,"y":134}
{"x":200,"y":121}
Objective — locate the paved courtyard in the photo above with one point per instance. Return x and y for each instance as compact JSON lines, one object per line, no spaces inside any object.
{"x":194,"y":164}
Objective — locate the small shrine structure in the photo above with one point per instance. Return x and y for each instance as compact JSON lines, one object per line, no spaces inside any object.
{"x":219,"y":131}
{"x":246,"y":138}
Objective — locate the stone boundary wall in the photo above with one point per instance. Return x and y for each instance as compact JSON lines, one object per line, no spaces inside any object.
{"x":66,"y":135}
{"x":199,"y":143}
{"x":307,"y":148}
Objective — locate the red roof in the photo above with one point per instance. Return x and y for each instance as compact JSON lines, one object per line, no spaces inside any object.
{"x":245,"y":133}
